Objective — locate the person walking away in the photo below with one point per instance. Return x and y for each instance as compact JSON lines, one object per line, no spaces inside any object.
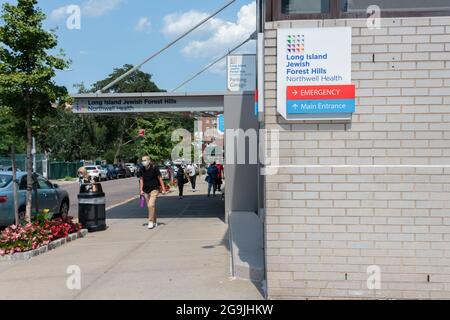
{"x":150,"y":183}
{"x":181,"y":180}
{"x":192,"y":172}
{"x":85,"y":179}
{"x":211,"y":178}
{"x":220,"y":176}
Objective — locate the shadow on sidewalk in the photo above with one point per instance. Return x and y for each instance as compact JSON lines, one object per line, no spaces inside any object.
{"x":170,"y":206}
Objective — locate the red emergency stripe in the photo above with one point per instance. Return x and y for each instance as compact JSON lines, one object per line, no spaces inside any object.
{"x":320,"y":92}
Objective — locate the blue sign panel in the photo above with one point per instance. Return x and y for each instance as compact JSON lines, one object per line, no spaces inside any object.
{"x":221,"y":123}
{"x":321,"y":106}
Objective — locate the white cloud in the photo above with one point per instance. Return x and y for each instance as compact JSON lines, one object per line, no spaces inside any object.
{"x":221,"y":35}
{"x":95,"y":8}
{"x":177,"y":23}
{"x":90,"y":8}
{"x":59,"y":13}
{"x":143,"y":24}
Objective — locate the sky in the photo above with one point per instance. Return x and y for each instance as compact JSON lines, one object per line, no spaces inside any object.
{"x":117,"y":32}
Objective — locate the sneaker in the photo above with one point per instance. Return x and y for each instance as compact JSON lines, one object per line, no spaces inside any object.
{"x":155,"y":224}
{"x":151,"y":225}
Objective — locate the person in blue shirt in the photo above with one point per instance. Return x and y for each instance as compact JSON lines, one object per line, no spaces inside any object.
{"x":211,"y":178}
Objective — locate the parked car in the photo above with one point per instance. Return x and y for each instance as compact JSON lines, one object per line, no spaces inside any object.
{"x":128,"y":172}
{"x":132,"y":168}
{"x":123,"y":171}
{"x":139,"y":168}
{"x":96,"y":172}
{"x":111,"y":171}
{"x":103,"y":172}
{"x":49,"y":196}
{"x":8,"y":168}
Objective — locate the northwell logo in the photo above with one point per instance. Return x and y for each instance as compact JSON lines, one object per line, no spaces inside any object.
{"x":295,"y":43}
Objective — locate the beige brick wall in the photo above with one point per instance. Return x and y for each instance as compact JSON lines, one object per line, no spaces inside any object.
{"x":390,"y":205}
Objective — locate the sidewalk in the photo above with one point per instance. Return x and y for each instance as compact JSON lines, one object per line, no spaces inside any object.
{"x":186,"y":257}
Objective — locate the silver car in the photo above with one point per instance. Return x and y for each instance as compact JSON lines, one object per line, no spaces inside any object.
{"x":49,"y":196}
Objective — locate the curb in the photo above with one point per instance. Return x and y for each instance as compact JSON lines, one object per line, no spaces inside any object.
{"x":21,"y":256}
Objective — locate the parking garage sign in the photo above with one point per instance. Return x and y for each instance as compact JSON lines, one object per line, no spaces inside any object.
{"x":241,"y":72}
{"x":314,"y":72}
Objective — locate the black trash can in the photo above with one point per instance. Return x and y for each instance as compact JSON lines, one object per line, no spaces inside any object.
{"x":91,"y":207}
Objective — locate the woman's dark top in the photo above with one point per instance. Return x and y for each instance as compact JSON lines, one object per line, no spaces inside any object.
{"x":151,"y":178}
{"x":180,"y":176}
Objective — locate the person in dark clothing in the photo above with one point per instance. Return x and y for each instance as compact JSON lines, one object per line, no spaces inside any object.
{"x":220,"y":177}
{"x":181,"y":180}
{"x":150,"y":183}
{"x":211,"y":178}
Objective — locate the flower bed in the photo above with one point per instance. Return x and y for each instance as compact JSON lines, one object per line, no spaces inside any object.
{"x":35,"y":235}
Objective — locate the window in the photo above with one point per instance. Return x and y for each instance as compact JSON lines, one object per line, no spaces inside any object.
{"x":342,"y":9}
{"x":398,"y":5}
{"x":305,"y":6}
{"x":44,"y":184}
{"x":4,"y":180}
{"x":23,"y":183}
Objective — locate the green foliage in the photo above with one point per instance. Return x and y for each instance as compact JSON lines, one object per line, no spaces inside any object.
{"x":71,"y":137}
{"x":26,"y":68}
{"x":137,"y":82}
{"x":10,"y":132}
{"x":27,"y":71}
{"x":157,"y":142}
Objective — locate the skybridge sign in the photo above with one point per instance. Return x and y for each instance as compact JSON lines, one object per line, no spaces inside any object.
{"x":142,"y":103}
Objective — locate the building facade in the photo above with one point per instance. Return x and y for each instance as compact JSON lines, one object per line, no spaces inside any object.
{"x":360,"y":208}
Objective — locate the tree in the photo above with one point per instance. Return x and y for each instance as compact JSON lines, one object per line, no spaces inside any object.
{"x":157,"y":142}
{"x":27,"y":70}
{"x":124,"y":128}
{"x":11,"y":132}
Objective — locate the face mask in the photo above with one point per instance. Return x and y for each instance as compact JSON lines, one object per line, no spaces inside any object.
{"x":145,"y":163}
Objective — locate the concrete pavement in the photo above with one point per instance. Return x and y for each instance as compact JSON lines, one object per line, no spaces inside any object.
{"x":186,"y":257}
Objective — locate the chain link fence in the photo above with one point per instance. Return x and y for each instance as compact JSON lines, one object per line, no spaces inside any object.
{"x":51,"y":169}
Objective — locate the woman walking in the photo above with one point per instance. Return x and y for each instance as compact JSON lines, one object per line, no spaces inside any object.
{"x":150,"y":183}
{"x":191,"y":170}
{"x":220,"y":176}
{"x":212,"y":173}
{"x":181,"y":180}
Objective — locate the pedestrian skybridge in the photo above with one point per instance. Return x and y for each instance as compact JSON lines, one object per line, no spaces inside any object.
{"x":239,"y":114}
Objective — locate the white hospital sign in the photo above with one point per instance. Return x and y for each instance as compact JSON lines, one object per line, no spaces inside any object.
{"x":314,"y":72}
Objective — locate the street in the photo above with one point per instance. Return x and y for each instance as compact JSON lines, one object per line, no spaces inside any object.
{"x":185,"y":257}
{"x":116,"y":192}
